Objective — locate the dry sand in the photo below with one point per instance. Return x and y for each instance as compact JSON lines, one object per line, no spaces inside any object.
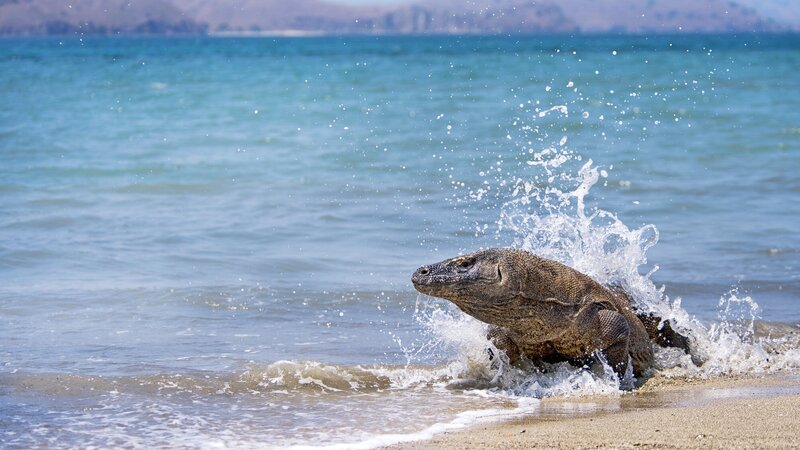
{"x":664,"y":413}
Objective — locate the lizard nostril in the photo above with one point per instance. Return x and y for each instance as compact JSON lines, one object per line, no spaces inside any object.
{"x":424,"y":271}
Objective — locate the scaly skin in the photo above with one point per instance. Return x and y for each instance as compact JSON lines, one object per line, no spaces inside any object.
{"x":540,"y":308}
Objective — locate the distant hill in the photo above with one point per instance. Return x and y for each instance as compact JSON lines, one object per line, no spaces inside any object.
{"x":38,"y":17}
{"x":782,"y":11}
{"x":309,"y":17}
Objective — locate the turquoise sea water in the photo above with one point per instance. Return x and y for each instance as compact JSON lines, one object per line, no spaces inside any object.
{"x":209,"y":241}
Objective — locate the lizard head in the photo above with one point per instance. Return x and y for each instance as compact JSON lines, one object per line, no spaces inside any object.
{"x":469,"y":281}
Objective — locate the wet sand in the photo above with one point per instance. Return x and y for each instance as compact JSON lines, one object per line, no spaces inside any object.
{"x":663,"y":413}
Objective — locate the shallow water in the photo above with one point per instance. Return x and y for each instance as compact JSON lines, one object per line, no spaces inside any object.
{"x":209,"y":241}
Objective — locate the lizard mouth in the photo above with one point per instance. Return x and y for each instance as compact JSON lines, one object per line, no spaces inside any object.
{"x":431,"y":280}
{"x":422,"y":277}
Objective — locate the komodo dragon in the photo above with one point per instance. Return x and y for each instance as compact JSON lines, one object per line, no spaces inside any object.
{"x":542,"y":309}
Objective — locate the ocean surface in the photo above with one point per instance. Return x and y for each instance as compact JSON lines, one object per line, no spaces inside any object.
{"x":208,"y":242}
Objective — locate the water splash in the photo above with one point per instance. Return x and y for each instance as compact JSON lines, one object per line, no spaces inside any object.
{"x":547,"y":210}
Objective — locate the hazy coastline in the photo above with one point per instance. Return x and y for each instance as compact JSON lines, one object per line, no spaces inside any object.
{"x":435,"y":17}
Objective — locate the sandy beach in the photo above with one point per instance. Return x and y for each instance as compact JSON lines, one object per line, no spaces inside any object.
{"x":664,"y":413}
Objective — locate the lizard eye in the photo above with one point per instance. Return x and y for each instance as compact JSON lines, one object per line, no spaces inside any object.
{"x":466,"y":264}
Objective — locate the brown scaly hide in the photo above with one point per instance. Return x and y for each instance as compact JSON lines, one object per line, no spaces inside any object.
{"x":542,"y":309}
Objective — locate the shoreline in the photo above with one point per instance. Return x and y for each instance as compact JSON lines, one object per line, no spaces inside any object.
{"x":738,"y":412}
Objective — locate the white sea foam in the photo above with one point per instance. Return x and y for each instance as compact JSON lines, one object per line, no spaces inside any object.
{"x":462,"y":420}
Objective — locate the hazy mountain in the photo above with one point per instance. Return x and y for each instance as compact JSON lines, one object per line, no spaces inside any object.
{"x":94,"y":17}
{"x":35,"y":17}
{"x":309,"y":16}
{"x":785,"y":12}
{"x":634,"y":16}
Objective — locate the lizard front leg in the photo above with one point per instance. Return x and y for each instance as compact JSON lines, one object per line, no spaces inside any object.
{"x":500,"y":338}
{"x":613,"y":339}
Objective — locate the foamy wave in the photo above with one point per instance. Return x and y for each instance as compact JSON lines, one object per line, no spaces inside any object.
{"x":462,"y":420}
{"x":314,"y":376}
